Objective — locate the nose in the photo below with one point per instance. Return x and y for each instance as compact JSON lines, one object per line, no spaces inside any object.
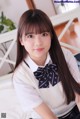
{"x":38,"y":41}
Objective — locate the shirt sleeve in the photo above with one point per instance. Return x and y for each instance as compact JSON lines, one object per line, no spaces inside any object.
{"x":27,"y":95}
{"x":72,"y":64}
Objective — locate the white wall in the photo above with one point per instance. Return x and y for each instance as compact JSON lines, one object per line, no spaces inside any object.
{"x":46,"y":6}
{"x":13,"y":9}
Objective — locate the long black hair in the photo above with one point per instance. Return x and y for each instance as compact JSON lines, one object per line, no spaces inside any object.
{"x":37,"y":21}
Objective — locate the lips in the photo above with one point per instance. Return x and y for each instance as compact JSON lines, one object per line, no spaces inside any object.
{"x":39,"y":49}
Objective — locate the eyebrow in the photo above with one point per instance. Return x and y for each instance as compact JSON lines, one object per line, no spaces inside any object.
{"x":29,"y":33}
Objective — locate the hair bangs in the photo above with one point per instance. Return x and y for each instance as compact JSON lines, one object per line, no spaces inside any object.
{"x":36,"y":27}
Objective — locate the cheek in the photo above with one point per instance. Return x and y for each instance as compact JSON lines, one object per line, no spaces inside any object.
{"x":28,"y":46}
{"x":48,"y":42}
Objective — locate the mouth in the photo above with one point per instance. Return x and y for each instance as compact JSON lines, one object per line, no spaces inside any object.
{"x":39,"y":49}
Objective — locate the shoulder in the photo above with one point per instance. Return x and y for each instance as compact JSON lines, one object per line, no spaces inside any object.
{"x":67,"y":54}
{"x":66,"y":51}
{"x":22,"y":73}
{"x":72,"y":64}
{"x":19,"y":71}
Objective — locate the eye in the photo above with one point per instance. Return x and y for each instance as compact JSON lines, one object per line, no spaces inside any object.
{"x":29,"y":35}
{"x":45,"y":34}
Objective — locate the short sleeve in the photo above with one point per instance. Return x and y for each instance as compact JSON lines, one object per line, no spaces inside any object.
{"x":72,"y":64}
{"x":27,"y":95}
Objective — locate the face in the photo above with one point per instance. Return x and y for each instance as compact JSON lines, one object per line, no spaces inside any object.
{"x":37,"y":45}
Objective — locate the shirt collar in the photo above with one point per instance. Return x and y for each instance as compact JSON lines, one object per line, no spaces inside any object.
{"x":33,"y":66}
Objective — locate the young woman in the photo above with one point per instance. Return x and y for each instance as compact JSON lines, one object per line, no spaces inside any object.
{"x":46,"y":77}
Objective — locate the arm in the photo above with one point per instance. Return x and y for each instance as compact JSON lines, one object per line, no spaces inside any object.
{"x":30,"y":99}
{"x":72,"y":64}
{"x":77,"y":99}
{"x":73,"y":67}
{"x":44,"y":111}
{"x":76,"y":74}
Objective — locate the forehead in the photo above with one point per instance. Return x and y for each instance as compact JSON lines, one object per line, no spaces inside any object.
{"x":36,"y":28}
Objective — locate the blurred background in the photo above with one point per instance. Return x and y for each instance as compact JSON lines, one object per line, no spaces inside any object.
{"x":10,"y":12}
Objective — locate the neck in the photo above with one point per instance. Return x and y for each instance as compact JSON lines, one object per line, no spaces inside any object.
{"x":41,"y":61}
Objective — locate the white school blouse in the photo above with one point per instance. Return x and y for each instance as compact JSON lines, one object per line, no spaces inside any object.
{"x":30,"y":96}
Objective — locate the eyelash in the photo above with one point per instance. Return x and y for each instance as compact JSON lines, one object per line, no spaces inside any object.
{"x":30,"y":36}
{"x":42,"y":34}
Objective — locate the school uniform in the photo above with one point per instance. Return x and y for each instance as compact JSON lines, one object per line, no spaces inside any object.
{"x":29,"y":93}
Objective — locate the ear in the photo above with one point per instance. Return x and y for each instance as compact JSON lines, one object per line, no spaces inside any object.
{"x":21,"y":41}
